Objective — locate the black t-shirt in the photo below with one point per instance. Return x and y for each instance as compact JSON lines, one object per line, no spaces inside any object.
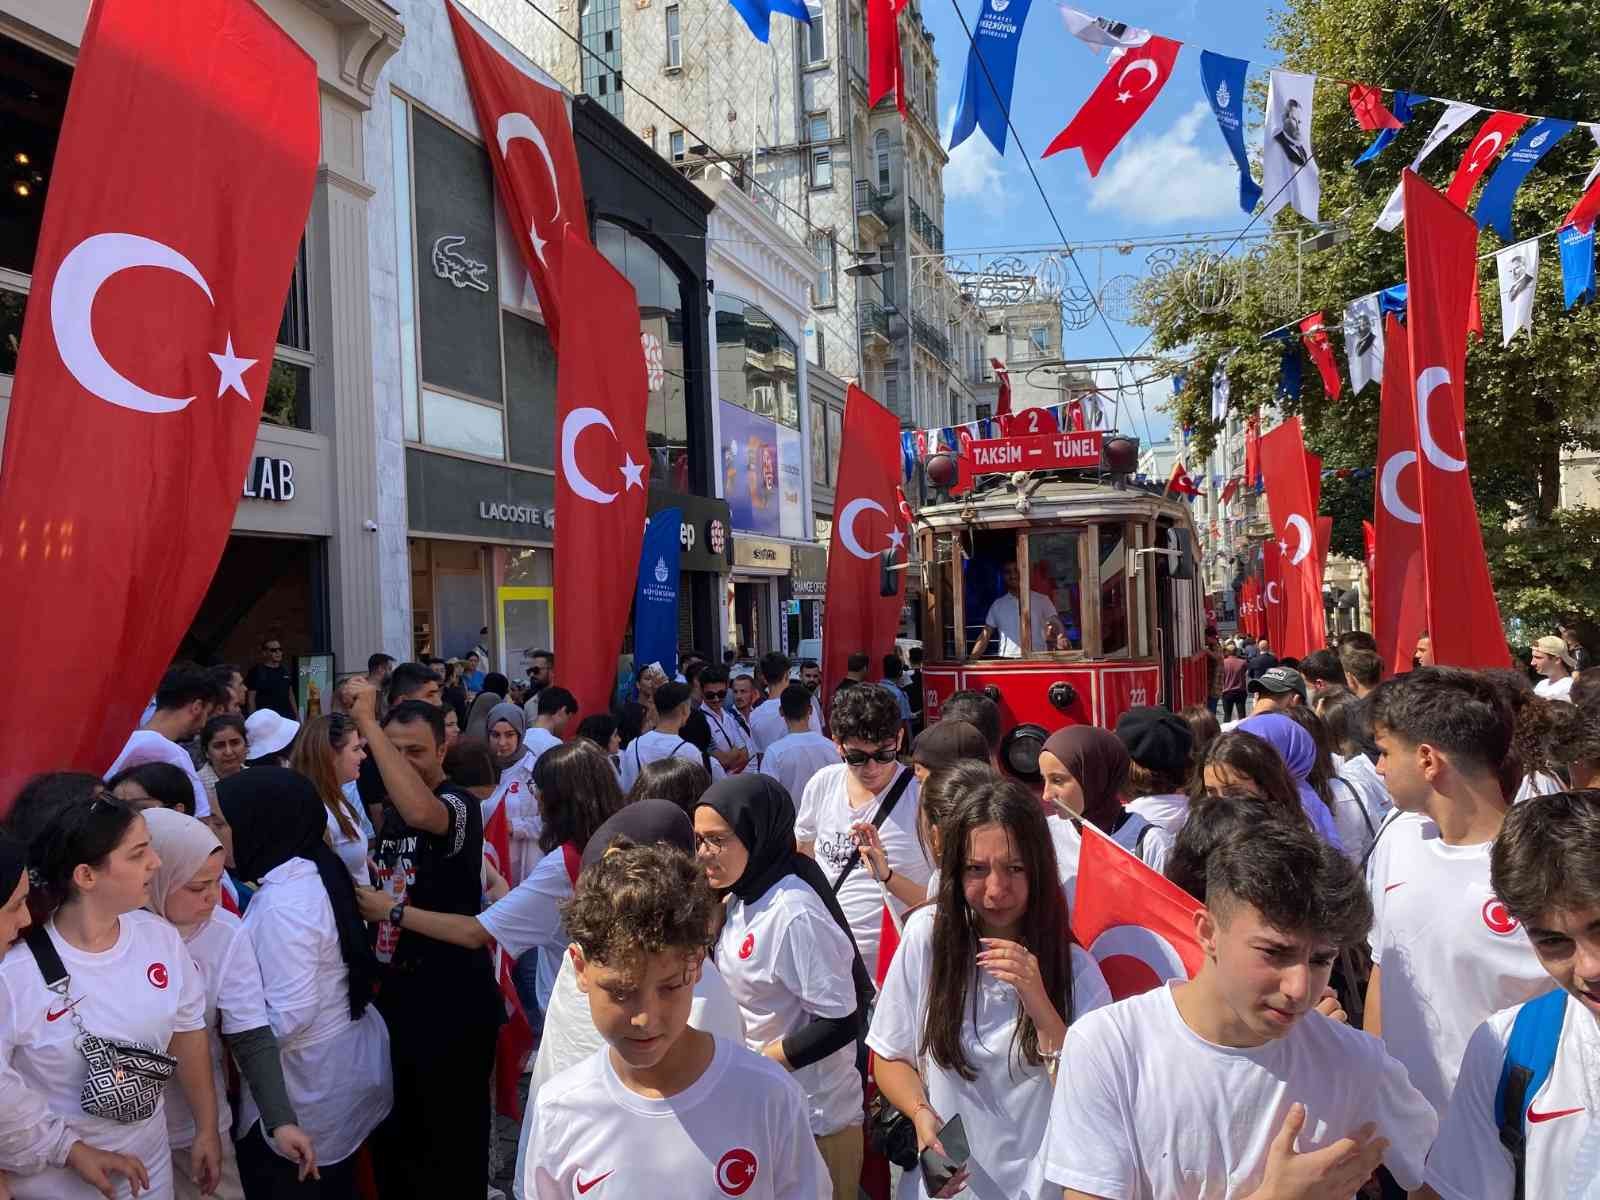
{"x":439,"y":873}
{"x":273,"y":687}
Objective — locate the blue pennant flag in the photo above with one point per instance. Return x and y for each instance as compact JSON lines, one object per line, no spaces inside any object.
{"x":991,"y":68}
{"x":1289,"y":368}
{"x":758,"y":15}
{"x":1393,"y":300}
{"x":655,"y":602}
{"x":908,"y":454}
{"x":1494,"y":206}
{"x":947,"y":439}
{"x":1224,"y":83}
{"x":1577,"y":265}
{"x":1404,"y":102}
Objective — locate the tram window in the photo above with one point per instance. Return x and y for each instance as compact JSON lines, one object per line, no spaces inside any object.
{"x":946,"y":565}
{"x":983,"y":584}
{"x":1056,"y":579}
{"x":1113,"y":591}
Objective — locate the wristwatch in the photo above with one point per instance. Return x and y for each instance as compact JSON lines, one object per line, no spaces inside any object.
{"x":396,"y":913}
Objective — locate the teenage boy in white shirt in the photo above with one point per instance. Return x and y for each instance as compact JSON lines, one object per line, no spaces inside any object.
{"x":661,"y":1109}
{"x":797,"y":756}
{"x":185,"y":698}
{"x":730,"y":732}
{"x":766,"y":719}
{"x":1545,"y":867}
{"x":666,"y":740}
{"x":1228,"y":1084}
{"x":1445,"y":951}
{"x":838,"y":808}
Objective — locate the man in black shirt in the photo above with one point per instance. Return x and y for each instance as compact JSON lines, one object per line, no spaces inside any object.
{"x":1263,"y":662}
{"x":270,"y":684}
{"x":441,"y":1002}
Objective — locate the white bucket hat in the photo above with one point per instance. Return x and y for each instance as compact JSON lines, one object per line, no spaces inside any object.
{"x":269,"y":732}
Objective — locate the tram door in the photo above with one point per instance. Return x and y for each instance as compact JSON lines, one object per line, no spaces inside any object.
{"x":1174,"y":613}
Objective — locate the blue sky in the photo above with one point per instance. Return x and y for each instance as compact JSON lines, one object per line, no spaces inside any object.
{"x":1172,"y":174}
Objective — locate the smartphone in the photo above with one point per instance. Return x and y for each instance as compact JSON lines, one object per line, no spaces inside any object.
{"x":939,"y":1169}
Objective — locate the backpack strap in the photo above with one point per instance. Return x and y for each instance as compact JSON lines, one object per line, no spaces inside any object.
{"x":1361,"y":808}
{"x":1530,"y":1055}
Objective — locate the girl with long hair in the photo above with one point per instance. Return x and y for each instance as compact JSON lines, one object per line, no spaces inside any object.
{"x":978,"y":998}
{"x":1349,"y":725}
{"x":1243,"y":764}
{"x":1085,"y":770}
{"x":1356,"y":828}
{"x":786,"y":950}
{"x":184,"y":892}
{"x":318,"y":976}
{"x":329,"y":752}
{"x":128,"y":978}
{"x":1298,"y":750}
{"x":226,"y":746}
{"x":675,"y":779}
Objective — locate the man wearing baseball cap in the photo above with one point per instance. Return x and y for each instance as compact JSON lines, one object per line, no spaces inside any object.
{"x":1274,"y":690}
{"x":1553,"y":659}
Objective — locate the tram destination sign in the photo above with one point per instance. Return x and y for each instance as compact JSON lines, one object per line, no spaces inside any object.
{"x":1040,"y":452}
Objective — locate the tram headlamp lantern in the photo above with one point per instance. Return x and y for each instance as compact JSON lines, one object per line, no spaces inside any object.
{"x":1019,"y":752}
{"x":941,"y":470}
{"x":1120,"y":455}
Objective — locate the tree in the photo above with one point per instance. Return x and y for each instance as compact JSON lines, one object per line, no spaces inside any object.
{"x":1524,"y":402}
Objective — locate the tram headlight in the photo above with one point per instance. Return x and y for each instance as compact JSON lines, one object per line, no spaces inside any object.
{"x":1120,"y":455}
{"x":941,"y":470}
{"x":1019,"y":751}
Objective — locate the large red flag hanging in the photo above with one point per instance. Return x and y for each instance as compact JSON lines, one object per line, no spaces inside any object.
{"x":515,"y":1039}
{"x":1275,"y":609}
{"x":1366,"y":102}
{"x":1441,"y":277}
{"x":1369,"y":538}
{"x":1491,"y":140}
{"x":1583,"y":213}
{"x":603,"y":470}
{"x":884,"y":65}
{"x":179,"y":193}
{"x":527,"y":130}
{"x":1324,"y":541}
{"x":1126,"y":91}
{"x":1290,"y":497}
{"x":858,"y":617}
{"x":1002,"y":404}
{"x":1314,"y":333}
{"x":1138,"y":926}
{"x":1252,"y":452}
{"x":1399,"y":592}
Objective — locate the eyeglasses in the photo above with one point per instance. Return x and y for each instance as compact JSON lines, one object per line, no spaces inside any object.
{"x":860,"y":758}
{"x":716,"y":695}
{"x":712,"y":843}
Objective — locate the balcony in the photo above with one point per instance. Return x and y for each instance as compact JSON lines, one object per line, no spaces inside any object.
{"x":930,"y":338}
{"x":923,"y":226}
{"x":872,"y":211}
{"x":872,"y":320}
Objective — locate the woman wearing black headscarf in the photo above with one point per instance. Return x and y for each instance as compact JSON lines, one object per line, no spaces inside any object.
{"x":318,"y":973}
{"x":787,"y":954}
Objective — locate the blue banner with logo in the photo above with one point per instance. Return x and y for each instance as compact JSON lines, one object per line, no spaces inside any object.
{"x":991,"y":69}
{"x":1494,"y":206}
{"x":1224,"y":82}
{"x":655,"y":600}
{"x":1577,"y":265}
{"x":1401,"y":108}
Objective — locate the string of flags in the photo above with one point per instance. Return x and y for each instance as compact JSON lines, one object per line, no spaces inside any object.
{"x":917,"y":444}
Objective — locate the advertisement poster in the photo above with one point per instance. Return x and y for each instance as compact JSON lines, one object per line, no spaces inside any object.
{"x":314,"y":684}
{"x":761,"y":473}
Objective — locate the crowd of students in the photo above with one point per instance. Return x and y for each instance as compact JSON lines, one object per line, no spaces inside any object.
{"x":761,"y":959}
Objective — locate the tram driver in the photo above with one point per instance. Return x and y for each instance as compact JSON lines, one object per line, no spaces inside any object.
{"x":1005,"y":619}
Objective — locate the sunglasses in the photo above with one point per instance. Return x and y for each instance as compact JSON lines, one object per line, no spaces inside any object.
{"x":273,"y":649}
{"x":860,"y":758}
{"x":716,"y":695}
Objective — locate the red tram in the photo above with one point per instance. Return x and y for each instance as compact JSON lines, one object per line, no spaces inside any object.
{"x":1114,"y":561}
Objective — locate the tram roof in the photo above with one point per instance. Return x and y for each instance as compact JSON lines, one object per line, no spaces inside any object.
{"x":1063,"y":496}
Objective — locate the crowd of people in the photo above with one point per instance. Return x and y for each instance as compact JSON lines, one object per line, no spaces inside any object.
{"x":771,"y":955}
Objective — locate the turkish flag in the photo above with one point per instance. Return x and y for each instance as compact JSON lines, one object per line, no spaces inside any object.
{"x":1138,"y":926}
{"x":865,"y":524}
{"x":527,"y":129}
{"x":1029,"y":422}
{"x":603,"y":470}
{"x":1492,"y":139}
{"x":1367,"y":104}
{"x":1252,"y":452}
{"x":1002,"y":404}
{"x":1275,"y":608}
{"x":1324,"y":540}
{"x":179,"y":193}
{"x":1399,"y":593}
{"x":1126,"y":91}
{"x":883,"y":53}
{"x":515,"y":1039}
{"x":1230,"y":488}
{"x":1180,"y":482}
{"x":1290,"y":497}
{"x":1583,"y":213}
{"x":1441,"y":277}
{"x":1314,"y":334}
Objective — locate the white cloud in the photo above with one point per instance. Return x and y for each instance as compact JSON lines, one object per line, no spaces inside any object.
{"x":1181,"y":174}
{"x":975,"y":172}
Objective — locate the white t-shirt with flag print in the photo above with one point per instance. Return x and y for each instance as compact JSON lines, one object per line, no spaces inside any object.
{"x":1006,"y":1107}
{"x":1562,"y":1120}
{"x":825,"y":818}
{"x":1146,"y":1109}
{"x":739,"y":1130}
{"x":1449,"y":952}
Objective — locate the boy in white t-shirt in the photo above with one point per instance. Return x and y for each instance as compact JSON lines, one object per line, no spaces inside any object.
{"x":662,"y":1109}
{"x":1229,"y":1085}
{"x":1545,"y":867}
{"x":1445,"y":951}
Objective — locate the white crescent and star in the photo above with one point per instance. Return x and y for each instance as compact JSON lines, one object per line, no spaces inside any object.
{"x":1428,"y":381}
{"x":1484,"y":149}
{"x":1148,"y":66}
{"x":78,"y":280}
{"x":1272,"y":599}
{"x":1389,"y":487}
{"x":577,"y":421}
{"x":847,"y":527}
{"x":1302,"y":527}
{"x":509,"y":128}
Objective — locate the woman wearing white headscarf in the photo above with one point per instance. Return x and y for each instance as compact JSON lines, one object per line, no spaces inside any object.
{"x":507,"y":729}
{"x":184,"y":891}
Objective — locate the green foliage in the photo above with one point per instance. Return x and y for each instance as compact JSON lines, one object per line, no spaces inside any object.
{"x":1547,"y":577}
{"x":1524,"y":402}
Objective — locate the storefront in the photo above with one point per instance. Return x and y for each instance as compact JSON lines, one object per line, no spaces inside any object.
{"x":756,"y":595}
{"x":808,"y":584}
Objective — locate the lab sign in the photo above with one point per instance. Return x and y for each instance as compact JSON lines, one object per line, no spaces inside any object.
{"x":270,"y":479}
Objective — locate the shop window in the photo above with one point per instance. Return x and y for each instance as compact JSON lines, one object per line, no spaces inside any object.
{"x":660,"y":294}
